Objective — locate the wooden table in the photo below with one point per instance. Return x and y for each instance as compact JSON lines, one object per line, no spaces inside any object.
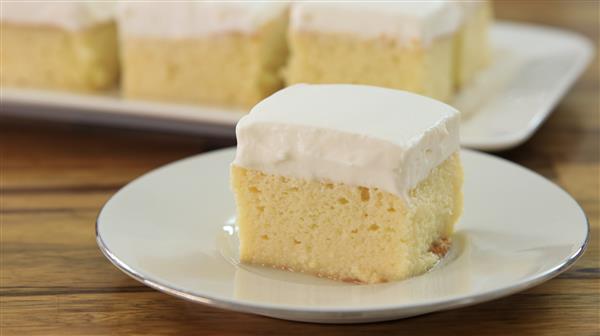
{"x":55,"y":177}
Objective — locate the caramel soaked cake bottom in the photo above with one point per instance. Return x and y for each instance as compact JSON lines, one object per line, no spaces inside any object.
{"x":344,"y":232}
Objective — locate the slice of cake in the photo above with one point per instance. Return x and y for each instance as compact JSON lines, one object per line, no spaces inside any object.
{"x":401,"y":45}
{"x":203,"y":52}
{"x":472,"y":43}
{"x":59,"y":45}
{"x":350,"y":182}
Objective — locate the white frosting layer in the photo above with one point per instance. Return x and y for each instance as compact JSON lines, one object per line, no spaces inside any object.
{"x":189,"y":19}
{"x":401,"y":21}
{"x":66,"y":15}
{"x":353,"y":134}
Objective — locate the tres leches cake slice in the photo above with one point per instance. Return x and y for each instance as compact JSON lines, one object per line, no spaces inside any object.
{"x":216,"y":53}
{"x":402,"y":45}
{"x":58,"y":45}
{"x":349,"y":182}
{"x":472,"y":51}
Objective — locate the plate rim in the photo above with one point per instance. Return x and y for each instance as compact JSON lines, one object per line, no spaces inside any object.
{"x":278,"y":310}
{"x":570,"y":77}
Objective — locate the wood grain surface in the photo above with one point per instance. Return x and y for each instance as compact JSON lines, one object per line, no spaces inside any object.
{"x":54,"y":177}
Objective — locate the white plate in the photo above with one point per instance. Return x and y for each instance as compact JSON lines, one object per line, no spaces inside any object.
{"x":173,"y":230}
{"x":533,"y":68}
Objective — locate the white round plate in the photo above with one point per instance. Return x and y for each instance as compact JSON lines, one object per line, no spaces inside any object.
{"x":173,"y":229}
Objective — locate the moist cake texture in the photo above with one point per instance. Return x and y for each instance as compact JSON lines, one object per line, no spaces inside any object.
{"x":213,"y":53}
{"x":350,"y":182}
{"x":58,"y":45}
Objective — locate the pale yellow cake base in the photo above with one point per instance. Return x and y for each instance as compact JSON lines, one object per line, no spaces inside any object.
{"x":50,"y":57}
{"x":345,"y":232}
{"x":231,"y":69}
{"x":472,"y":45}
{"x":342,"y":58}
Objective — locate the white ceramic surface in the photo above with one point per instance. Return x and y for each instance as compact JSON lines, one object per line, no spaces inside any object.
{"x":533,"y":68}
{"x":173,"y":229}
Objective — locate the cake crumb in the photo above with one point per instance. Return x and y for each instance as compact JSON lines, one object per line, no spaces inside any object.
{"x":441,"y":247}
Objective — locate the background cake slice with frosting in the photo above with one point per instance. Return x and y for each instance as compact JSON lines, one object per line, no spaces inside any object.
{"x":350,"y":182}
{"x":202,"y":52}
{"x":58,"y":45}
{"x":401,"y":45}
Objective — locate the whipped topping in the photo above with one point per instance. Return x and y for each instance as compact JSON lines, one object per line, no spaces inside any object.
{"x":354,"y":134}
{"x":405,"y":22}
{"x":66,"y":15}
{"x":189,"y":19}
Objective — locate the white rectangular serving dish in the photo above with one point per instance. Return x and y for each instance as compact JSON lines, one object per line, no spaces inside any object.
{"x":532,"y":68}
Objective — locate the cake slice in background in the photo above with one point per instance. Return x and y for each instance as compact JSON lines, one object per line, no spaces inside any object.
{"x":58,"y":45}
{"x":202,"y":52}
{"x":402,"y":45}
{"x":351,"y":182}
{"x":472,"y":44}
